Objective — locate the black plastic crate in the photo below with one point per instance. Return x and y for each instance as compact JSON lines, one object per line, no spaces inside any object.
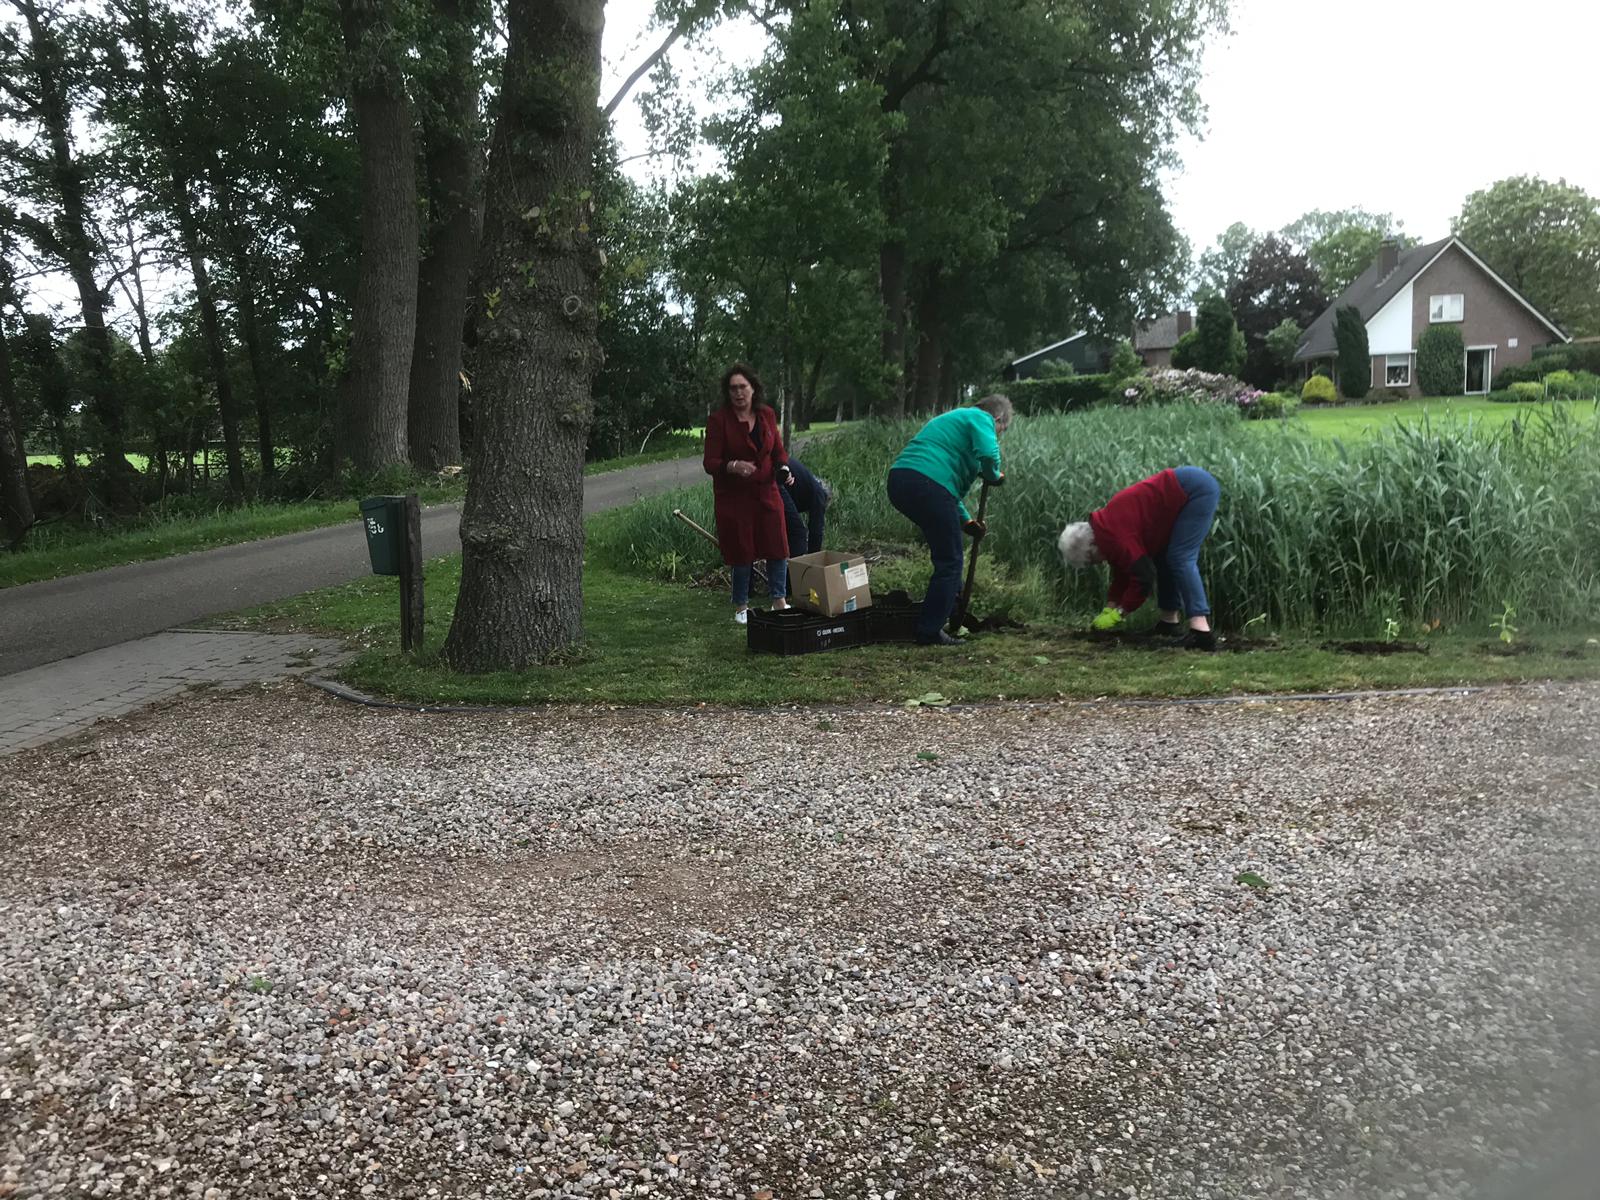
{"x":792,"y":631}
{"x":894,"y":617}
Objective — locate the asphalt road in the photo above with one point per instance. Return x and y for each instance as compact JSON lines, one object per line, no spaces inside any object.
{"x":58,"y":618}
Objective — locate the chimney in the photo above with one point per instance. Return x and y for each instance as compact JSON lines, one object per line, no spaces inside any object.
{"x":1185,"y":322}
{"x":1388,"y":257}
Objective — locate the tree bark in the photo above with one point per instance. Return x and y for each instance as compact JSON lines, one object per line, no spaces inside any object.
{"x":930,"y":344}
{"x":892,"y":292}
{"x":451,"y":165}
{"x":16,"y":502}
{"x":70,"y":240}
{"x":155,"y":87}
{"x":251,"y":330}
{"x":521,"y":597}
{"x":373,"y":424}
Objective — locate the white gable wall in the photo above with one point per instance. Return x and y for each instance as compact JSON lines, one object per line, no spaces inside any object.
{"x":1389,"y":331}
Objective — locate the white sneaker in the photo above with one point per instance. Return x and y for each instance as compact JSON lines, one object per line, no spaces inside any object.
{"x":742,"y":617}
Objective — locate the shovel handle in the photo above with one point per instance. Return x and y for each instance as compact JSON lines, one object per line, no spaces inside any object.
{"x":959,"y":617}
{"x":710,"y":537}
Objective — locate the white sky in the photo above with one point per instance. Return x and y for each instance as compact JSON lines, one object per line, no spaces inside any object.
{"x":1401,"y":106}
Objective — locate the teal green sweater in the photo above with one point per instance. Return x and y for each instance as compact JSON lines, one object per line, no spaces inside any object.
{"x":952,"y":450}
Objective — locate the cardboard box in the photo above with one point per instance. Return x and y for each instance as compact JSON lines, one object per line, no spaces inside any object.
{"x":830,"y":583}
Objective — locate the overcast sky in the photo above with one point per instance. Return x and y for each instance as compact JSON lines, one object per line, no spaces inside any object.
{"x":1401,"y":106}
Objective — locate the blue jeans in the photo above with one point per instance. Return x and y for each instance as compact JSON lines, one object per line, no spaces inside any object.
{"x":932,"y":509}
{"x":777,"y":581}
{"x":1178,"y":583}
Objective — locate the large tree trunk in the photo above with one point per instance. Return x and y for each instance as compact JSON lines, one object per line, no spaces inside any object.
{"x":452,"y":167}
{"x":16,"y":502}
{"x":930,"y":344}
{"x":70,"y":241}
{"x":180,"y":202}
{"x":373,"y":425}
{"x":948,"y":391}
{"x":892,"y":293}
{"x":211,"y":331}
{"x":255,"y":353}
{"x":521,"y":596}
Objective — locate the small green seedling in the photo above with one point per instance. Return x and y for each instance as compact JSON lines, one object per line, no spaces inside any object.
{"x":1251,"y":879}
{"x":825,"y":725}
{"x":1258,"y":619}
{"x":927,"y":756}
{"x":1391,"y":629}
{"x":258,"y":985}
{"x":1042,"y":660}
{"x":928,"y":700}
{"x":1508,"y":631}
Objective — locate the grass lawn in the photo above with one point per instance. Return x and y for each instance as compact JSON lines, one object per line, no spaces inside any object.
{"x":140,"y":462}
{"x":1366,"y":420}
{"x":654,"y":643}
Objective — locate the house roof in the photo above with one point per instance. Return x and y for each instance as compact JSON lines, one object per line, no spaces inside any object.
{"x":1158,"y":333}
{"x":1370,"y":292}
{"x":1027,"y":358}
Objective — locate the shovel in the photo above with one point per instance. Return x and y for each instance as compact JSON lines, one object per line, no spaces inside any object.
{"x":959,"y":617}
{"x":711,"y":537}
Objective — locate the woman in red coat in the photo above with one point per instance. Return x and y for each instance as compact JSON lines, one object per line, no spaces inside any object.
{"x":744,"y":455}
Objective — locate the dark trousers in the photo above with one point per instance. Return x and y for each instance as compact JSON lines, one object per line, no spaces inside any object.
{"x":932,"y":509}
{"x":805,"y":508}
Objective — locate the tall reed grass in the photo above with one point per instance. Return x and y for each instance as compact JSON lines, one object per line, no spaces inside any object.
{"x":1444,"y":519}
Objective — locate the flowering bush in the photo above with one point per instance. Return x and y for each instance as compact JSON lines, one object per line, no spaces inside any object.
{"x":1171,"y":386}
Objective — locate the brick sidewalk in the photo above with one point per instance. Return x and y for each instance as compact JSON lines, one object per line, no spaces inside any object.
{"x":64,"y":698}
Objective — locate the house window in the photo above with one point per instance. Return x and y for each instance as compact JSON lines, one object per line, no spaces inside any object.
{"x":1397,"y":370}
{"x":1445,"y":308}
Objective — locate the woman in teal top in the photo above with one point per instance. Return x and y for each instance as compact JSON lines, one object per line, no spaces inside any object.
{"x":935,"y":470}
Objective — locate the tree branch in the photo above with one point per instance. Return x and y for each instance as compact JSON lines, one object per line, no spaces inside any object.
{"x":644,"y":68}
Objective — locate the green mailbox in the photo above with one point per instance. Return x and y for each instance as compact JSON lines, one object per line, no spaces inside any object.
{"x":383,"y":518}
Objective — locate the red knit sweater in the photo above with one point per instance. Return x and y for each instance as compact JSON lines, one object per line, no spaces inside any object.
{"x":1135,"y":523}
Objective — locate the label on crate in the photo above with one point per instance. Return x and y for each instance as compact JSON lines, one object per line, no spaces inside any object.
{"x":856,"y":576}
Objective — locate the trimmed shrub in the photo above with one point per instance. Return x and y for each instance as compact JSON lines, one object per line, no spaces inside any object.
{"x":1527,"y":391}
{"x":1062,"y":394}
{"x":1579,"y":356}
{"x":1219,"y":344}
{"x":1319,"y":389}
{"x":1355,"y":362}
{"x":1184,"y":355}
{"x":1269,"y":405}
{"x":1440,"y":355}
{"x":1125,"y":362}
{"x":1056,"y":368}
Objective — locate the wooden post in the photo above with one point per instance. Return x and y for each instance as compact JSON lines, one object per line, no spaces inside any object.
{"x":411,"y":577}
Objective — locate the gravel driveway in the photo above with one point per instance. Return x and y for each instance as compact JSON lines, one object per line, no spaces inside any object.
{"x":266,"y":944}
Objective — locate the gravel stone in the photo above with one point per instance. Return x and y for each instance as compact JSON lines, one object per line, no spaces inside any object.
{"x":268,"y":944}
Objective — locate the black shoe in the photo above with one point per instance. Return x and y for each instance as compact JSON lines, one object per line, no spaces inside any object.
{"x":938,"y":639}
{"x":1165,"y":629}
{"x":1199,"y":639}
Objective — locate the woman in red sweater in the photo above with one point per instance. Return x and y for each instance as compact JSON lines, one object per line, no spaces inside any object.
{"x":744,"y":455}
{"x":1150,"y":533}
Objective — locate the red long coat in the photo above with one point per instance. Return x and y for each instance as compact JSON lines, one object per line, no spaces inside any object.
{"x":750,"y":523}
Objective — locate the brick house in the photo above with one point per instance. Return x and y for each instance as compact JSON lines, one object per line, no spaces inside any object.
{"x":1155,"y":338}
{"x":1403,"y":292}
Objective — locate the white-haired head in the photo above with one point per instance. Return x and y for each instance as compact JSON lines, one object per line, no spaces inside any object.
{"x":1077,"y":547}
